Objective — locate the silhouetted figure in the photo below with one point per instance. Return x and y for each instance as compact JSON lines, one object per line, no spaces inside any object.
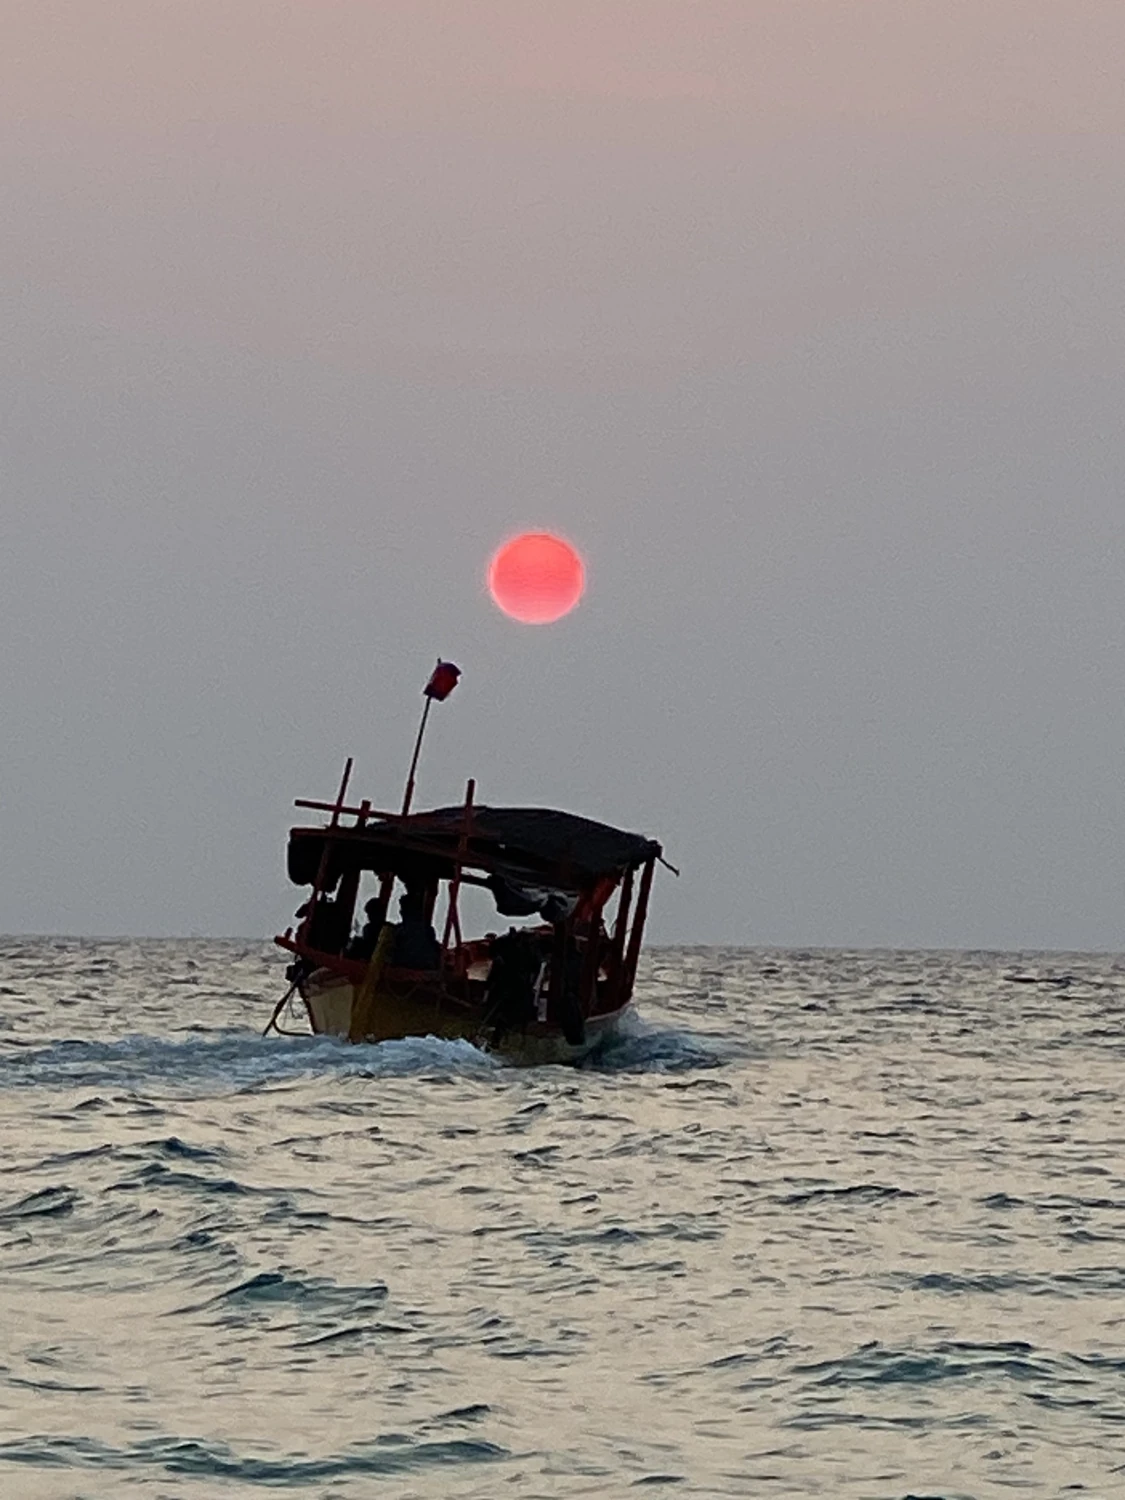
{"x":324,"y":925}
{"x":363,"y":946}
{"x":517,"y":958}
{"x":416,"y":944}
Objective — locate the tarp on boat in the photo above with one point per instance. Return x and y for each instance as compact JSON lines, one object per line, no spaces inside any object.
{"x":540,"y":845}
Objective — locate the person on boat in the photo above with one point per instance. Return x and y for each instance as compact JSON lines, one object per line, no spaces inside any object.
{"x":517,"y":961}
{"x":363,"y":946}
{"x":416,"y":944}
{"x":321,"y":925}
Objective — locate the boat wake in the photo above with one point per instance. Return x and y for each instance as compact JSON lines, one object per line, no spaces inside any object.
{"x":645,"y":1047}
{"x":231,"y":1061}
{"x":226,"y":1062}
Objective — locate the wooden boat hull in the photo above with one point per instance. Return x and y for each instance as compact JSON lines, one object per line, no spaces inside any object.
{"x":421,"y":1011}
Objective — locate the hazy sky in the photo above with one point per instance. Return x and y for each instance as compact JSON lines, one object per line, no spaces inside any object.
{"x":804,"y":319}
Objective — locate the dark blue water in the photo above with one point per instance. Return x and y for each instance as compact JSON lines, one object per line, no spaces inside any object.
{"x":824,"y":1224}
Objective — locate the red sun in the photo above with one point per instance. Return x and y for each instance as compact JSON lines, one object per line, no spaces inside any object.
{"x":536,"y":577}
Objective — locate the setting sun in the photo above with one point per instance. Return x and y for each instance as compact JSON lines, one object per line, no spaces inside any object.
{"x":536,"y":578}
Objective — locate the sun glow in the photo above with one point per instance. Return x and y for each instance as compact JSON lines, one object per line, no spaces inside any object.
{"x":536,"y":577}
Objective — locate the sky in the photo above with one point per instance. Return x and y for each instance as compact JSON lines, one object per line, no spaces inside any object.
{"x":803,"y":319}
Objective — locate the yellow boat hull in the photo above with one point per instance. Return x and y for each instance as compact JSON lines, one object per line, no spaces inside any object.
{"x":421,"y":1010}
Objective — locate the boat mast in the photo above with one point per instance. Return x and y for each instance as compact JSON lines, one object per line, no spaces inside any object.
{"x":408,"y":795}
{"x":326,"y":853}
{"x":453,"y":915}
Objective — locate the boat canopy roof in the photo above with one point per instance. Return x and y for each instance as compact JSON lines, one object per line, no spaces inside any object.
{"x":523,"y":844}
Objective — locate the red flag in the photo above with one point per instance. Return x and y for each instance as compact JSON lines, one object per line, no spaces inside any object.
{"x":442,"y":681}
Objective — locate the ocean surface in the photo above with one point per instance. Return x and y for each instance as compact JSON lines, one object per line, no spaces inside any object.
{"x":839,"y":1224}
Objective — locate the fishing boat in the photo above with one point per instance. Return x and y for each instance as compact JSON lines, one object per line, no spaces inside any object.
{"x":552,"y":990}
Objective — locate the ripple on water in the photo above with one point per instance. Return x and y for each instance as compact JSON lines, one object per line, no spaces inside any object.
{"x":195,"y":1458}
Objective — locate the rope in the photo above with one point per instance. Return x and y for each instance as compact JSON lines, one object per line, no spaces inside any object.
{"x":279,"y":1007}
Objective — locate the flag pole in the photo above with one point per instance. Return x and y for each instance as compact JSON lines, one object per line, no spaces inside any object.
{"x":443,"y":679}
{"x":408,"y":795}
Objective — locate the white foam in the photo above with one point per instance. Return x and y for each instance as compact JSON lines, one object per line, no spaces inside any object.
{"x":226,"y":1061}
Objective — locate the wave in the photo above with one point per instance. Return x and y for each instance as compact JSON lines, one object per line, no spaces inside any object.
{"x":201,"y":1459}
{"x":233,"y":1061}
{"x":876,"y":1364}
{"x":646,"y":1047}
{"x":275,"y":1287}
{"x":1081,"y":1282}
{"x":47,"y":1203}
{"x":864,"y":1193}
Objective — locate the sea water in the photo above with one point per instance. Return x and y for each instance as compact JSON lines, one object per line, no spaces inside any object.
{"x":847,"y":1224}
